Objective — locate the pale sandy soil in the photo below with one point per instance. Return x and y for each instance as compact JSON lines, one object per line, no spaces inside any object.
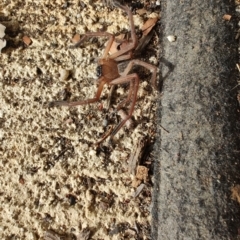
{"x":53,"y":177}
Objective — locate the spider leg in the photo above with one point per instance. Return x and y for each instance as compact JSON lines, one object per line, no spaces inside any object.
{"x":124,"y":57}
{"x":97,"y":34}
{"x":102,"y":82}
{"x":128,"y":99}
{"x":153,"y":70}
{"x":132,"y":44}
{"x":111,"y":37}
{"x":134,"y":81}
{"x":125,"y":101}
{"x":150,"y":67}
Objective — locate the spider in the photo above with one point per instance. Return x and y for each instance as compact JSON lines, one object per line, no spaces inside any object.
{"x":109,"y":74}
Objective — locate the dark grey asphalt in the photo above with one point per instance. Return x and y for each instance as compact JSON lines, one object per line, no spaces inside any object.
{"x":197,"y":158}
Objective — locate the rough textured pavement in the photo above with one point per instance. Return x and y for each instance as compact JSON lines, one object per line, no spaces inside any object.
{"x":196,"y":155}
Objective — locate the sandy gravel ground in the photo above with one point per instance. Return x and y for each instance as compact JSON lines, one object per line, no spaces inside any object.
{"x":54,"y":180}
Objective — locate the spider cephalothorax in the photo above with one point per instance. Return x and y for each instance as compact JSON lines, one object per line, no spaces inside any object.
{"x":108,"y":72}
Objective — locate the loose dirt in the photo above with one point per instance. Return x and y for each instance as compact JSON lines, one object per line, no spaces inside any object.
{"x":54,"y":180}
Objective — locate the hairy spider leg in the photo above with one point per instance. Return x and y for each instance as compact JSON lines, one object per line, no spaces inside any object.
{"x":102,"y":82}
{"x":128,"y":99}
{"x":135,"y":83}
{"x":133,"y":43}
{"x":118,"y":55}
{"x":148,"y":66}
{"x":98,"y":34}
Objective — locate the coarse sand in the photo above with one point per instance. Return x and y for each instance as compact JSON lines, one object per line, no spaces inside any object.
{"x":54,"y":180}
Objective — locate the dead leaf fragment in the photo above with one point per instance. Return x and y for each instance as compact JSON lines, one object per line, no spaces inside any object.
{"x":136,"y":155}
{"x":27,"y":40}
{"x":143,"y":42}
{"x":227,"y":17}
{"x":114,"y":47}
{"x":148,"y":25}
{"x":236,"y":193}
{"x":116,"y":43}
{"x":76,"y":38}
{"x":138,"y":190}
{"x":141,"y":176}
{"x":136,"y":182}
{"x":142,"y":173}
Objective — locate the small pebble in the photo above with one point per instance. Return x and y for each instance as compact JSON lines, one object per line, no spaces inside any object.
{"x":227,"y":17}
{"x":105,"y":122}
{"x":171,"y":38}
{"x":3,"y":42}
{"x":2,"y":31}
{"x":63,"y":74}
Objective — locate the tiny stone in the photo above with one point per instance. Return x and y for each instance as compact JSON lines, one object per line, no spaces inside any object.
{"x":171,"y":38}
{"x":227,"y":17}
{"x":105,"y":122}
{"x":63,"y":74}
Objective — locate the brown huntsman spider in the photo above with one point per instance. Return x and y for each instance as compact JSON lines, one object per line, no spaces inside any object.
{"x":109,"y":73}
